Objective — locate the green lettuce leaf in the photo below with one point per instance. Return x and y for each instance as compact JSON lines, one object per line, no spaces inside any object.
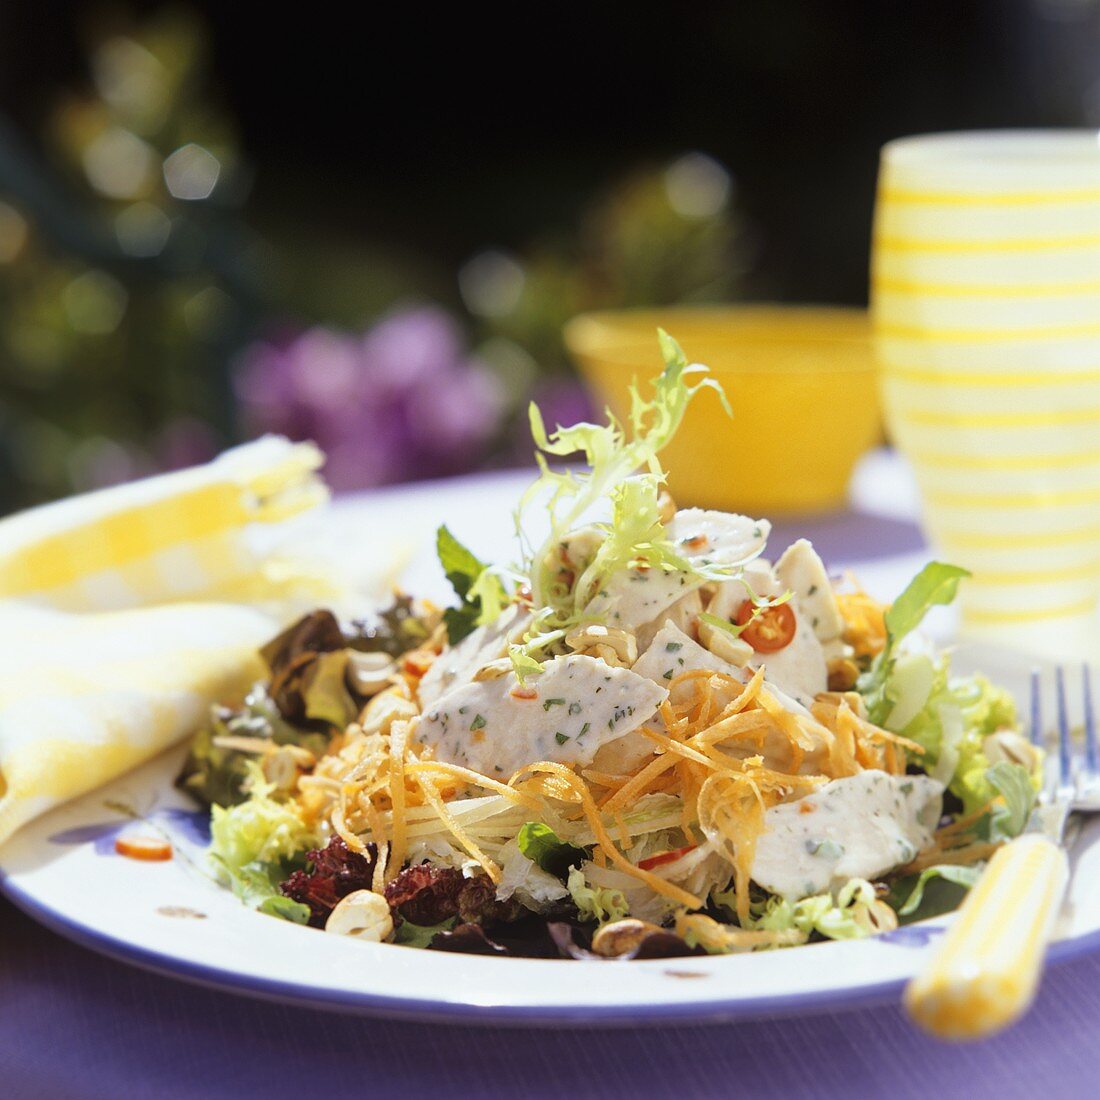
{"x":910,"y":897}
{"x":956,"y":716}
{"x":948,"y":716}
{"x":845,"y":917}
{"x":596,"y":903}
{"x":421,"y":935}
{"x":936,"y":584}
{"x":394,"y":630}
{"x":254,"y":844}
{"x":1015,"y":784}
{"x":481,"y":591}
{"x":325,"y":691}
{"x":542,"y":846}
{"x":276,"y":905}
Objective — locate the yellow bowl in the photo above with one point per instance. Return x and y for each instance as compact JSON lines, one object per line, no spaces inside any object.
{"x":801,"y":380}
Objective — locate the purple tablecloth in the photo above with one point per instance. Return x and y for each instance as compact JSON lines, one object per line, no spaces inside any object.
{"x":74,"y":1025}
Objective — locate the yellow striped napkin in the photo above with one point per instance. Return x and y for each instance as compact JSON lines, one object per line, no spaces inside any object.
{"x":124,"y":613}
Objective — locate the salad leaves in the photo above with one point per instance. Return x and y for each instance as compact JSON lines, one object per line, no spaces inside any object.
{"x":909,"y":893}
{"x":542,"y":846}
{"x":481,"y":591}
{"x":936,"y":584}
{"x":949,"y":717}
{"x":212,"y":774}
{"x":253,"y":845}
{"x":596,"y":903}
{"x":848,"y":916}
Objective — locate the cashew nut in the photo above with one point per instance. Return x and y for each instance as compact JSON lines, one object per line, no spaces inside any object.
{"x":1009,"y":746}
{"x":843,"y":674}
{"x":723,"y":644}
{"x":494,"y":670}
{"x":620,"y":937}
{"x":364,"y":915}
{"x":283,"y":765}
{"x":386,"y":708}
{"x":369,"y":673}
{"x":617,"y":647}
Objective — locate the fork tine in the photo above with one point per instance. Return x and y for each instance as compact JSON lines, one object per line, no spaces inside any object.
{"x":1036,"y":730}
{"x":1092,"y":757}
{"x":1065,"y":745}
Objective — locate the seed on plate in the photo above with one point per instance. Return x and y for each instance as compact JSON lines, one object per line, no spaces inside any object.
{"x":149,"y":848}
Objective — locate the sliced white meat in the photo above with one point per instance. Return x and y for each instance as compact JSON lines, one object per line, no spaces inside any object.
{"x":457,"y":664}
{"x":799,"y":668}
{"x":672,"y":652}
{"x":635,"y":597}
{"x":861,"y":826}
{"x":669,"y":653}
{"x":803,"y":572}
{"x":722,"y":537}
{"x":564,"y":714}
{"x":684,"y":612}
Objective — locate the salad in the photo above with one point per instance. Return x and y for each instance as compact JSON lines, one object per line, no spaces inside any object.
{"x":644,"y":737}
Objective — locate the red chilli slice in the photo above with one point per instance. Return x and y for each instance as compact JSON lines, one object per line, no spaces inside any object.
{"x":662,"y":858}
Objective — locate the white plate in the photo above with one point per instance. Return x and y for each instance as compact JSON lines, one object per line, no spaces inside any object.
{"x":172,"y":918}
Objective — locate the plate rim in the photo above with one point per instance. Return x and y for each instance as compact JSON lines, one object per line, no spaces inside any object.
{"x":459,"y":1012}
{"x":422,"y":1009}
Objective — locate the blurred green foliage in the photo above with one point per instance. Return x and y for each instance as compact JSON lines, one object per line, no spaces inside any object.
{"x":130,"y":281}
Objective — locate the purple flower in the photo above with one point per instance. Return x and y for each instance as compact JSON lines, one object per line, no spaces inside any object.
{"x":403,"y":401}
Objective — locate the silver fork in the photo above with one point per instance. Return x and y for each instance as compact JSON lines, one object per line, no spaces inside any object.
{"x":1071,"y":780}
{"x":986,"y":970}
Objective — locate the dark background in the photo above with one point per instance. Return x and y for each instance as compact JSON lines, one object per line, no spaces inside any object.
{"x":371,"y":156}
{"x":446,"y":129}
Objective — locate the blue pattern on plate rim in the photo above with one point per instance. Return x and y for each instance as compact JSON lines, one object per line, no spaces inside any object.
{"x":190,"y":825}
{"x":912,"y":936}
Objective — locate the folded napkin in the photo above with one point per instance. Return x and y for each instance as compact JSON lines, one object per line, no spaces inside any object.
{"x":124,"y":613}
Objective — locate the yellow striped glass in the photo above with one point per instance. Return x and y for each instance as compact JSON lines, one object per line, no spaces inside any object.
{"x":986,"y":305}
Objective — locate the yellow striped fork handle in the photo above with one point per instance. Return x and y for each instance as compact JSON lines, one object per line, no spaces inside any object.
{"x":984,"y":975}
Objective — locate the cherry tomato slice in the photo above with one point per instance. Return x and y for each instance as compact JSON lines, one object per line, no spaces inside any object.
{"x":665,"y":857}
{"x":149,"y":848}
{"x":771,"y":630}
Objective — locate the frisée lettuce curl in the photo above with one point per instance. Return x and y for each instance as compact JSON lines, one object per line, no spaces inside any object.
{"x":254,"y":844}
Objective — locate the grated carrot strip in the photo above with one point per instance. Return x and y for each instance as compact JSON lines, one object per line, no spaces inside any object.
{"x":639,"y":783}
{"x":592,"y":814}
{"x":398,"y":741}
{"x":456,"y":830}
{"x":476,"y":779}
